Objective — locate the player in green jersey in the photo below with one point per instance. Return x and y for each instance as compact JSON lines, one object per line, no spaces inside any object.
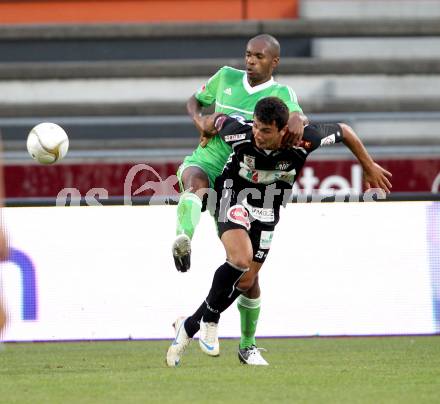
{"x":234,"y":92}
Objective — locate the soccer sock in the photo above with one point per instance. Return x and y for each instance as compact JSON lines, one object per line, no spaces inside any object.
{"x":222,"y":294}
{"x":189,"y":210}
{"x":249,"y":312}
{"x":192,"y":323}
{"x":228,"y":300}
{"x":223,"y":291}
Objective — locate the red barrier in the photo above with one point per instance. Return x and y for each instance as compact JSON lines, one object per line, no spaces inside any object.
{"x":409,"y":175}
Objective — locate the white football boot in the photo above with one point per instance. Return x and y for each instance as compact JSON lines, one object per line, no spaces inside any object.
{"x":252,"y":356}
{"x":180,"y":343}
{"x":208,"y":339}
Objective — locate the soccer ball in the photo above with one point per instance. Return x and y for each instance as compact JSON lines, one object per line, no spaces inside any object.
{"x":47,"y":143}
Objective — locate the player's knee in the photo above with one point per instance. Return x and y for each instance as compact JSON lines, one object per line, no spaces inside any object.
{"x":194,"y":179}
{"x":199,"y":184}
{"x":240,"y":259}
{"x":253,"y":291}
{"x":247,"y":281}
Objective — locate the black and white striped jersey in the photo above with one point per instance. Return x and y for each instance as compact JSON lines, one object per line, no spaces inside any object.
{"x":267,"y":174}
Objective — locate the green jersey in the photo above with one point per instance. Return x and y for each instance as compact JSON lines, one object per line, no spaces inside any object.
{"x":232,"y":95}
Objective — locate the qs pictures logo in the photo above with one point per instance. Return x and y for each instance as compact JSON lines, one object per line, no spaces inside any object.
{"x":163,"y":189}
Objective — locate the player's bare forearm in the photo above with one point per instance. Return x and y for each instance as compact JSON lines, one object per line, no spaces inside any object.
{"x":375,"y":176}
{"x":296,"y":123}
{"x":194,"y":109}
{"x":352,"y":141}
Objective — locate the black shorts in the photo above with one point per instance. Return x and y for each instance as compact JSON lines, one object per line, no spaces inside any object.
{"x":261,"y":233}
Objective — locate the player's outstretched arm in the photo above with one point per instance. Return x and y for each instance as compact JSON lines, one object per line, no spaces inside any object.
{"x":296,"y":123}
{"x":374,"y":175}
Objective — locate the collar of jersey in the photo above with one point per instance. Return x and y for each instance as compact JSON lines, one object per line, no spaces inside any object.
{"x":264,"y":152}
{"x":253,"y":90}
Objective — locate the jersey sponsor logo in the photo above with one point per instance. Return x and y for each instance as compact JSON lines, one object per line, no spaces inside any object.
{"x":228,"y":91}
{"x":266,"y":176}
{"x":328,"y":140}
{"x":282,"y":165}
{"x":232,"y":138}
{"x":266,"y":239}
{"x":249,"y":161}
{"x":238,"y":214}
{"x":266,"y":215}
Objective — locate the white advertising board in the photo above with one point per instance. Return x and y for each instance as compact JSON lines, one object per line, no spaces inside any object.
{"x":334,"y":269}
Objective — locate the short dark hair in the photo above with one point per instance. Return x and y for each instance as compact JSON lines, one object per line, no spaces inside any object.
{"x":272,"y":109}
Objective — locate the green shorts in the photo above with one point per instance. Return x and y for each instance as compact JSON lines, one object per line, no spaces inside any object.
{"x":190,"y":161}
{"x":210,"y":159}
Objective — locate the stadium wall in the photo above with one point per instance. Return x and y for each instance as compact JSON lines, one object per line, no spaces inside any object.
{"x":86,"y":273}
{"x":411,"y":174}
{"x":129,"y":11}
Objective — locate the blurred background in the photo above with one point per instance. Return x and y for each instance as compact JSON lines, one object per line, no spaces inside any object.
{"x":117,"y":74}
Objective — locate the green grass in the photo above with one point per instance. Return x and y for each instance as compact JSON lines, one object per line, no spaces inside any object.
{"x":318,"y":370}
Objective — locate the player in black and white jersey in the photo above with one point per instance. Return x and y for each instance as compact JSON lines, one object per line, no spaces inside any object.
{"x":258,"y":177}
{"x":255,"y":182}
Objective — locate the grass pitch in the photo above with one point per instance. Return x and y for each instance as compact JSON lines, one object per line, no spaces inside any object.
{"x":317,"y":370}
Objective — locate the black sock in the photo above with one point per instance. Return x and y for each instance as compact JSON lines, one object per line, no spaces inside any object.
{"x":192,"y":323}
{"x":230,"y":299}
{"x":220,"y":297}
{"x":223,"y":291}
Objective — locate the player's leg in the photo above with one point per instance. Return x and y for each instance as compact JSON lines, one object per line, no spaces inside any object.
{"x":2,"y":317}
{"x":223,"y":290}
{"x":249,"y":307}
{"x":179,"y":344}
{"x":228,"y":277}
{"x":222,"y":294}
{"x":194,"y":183}
{"x":250,"y":301}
